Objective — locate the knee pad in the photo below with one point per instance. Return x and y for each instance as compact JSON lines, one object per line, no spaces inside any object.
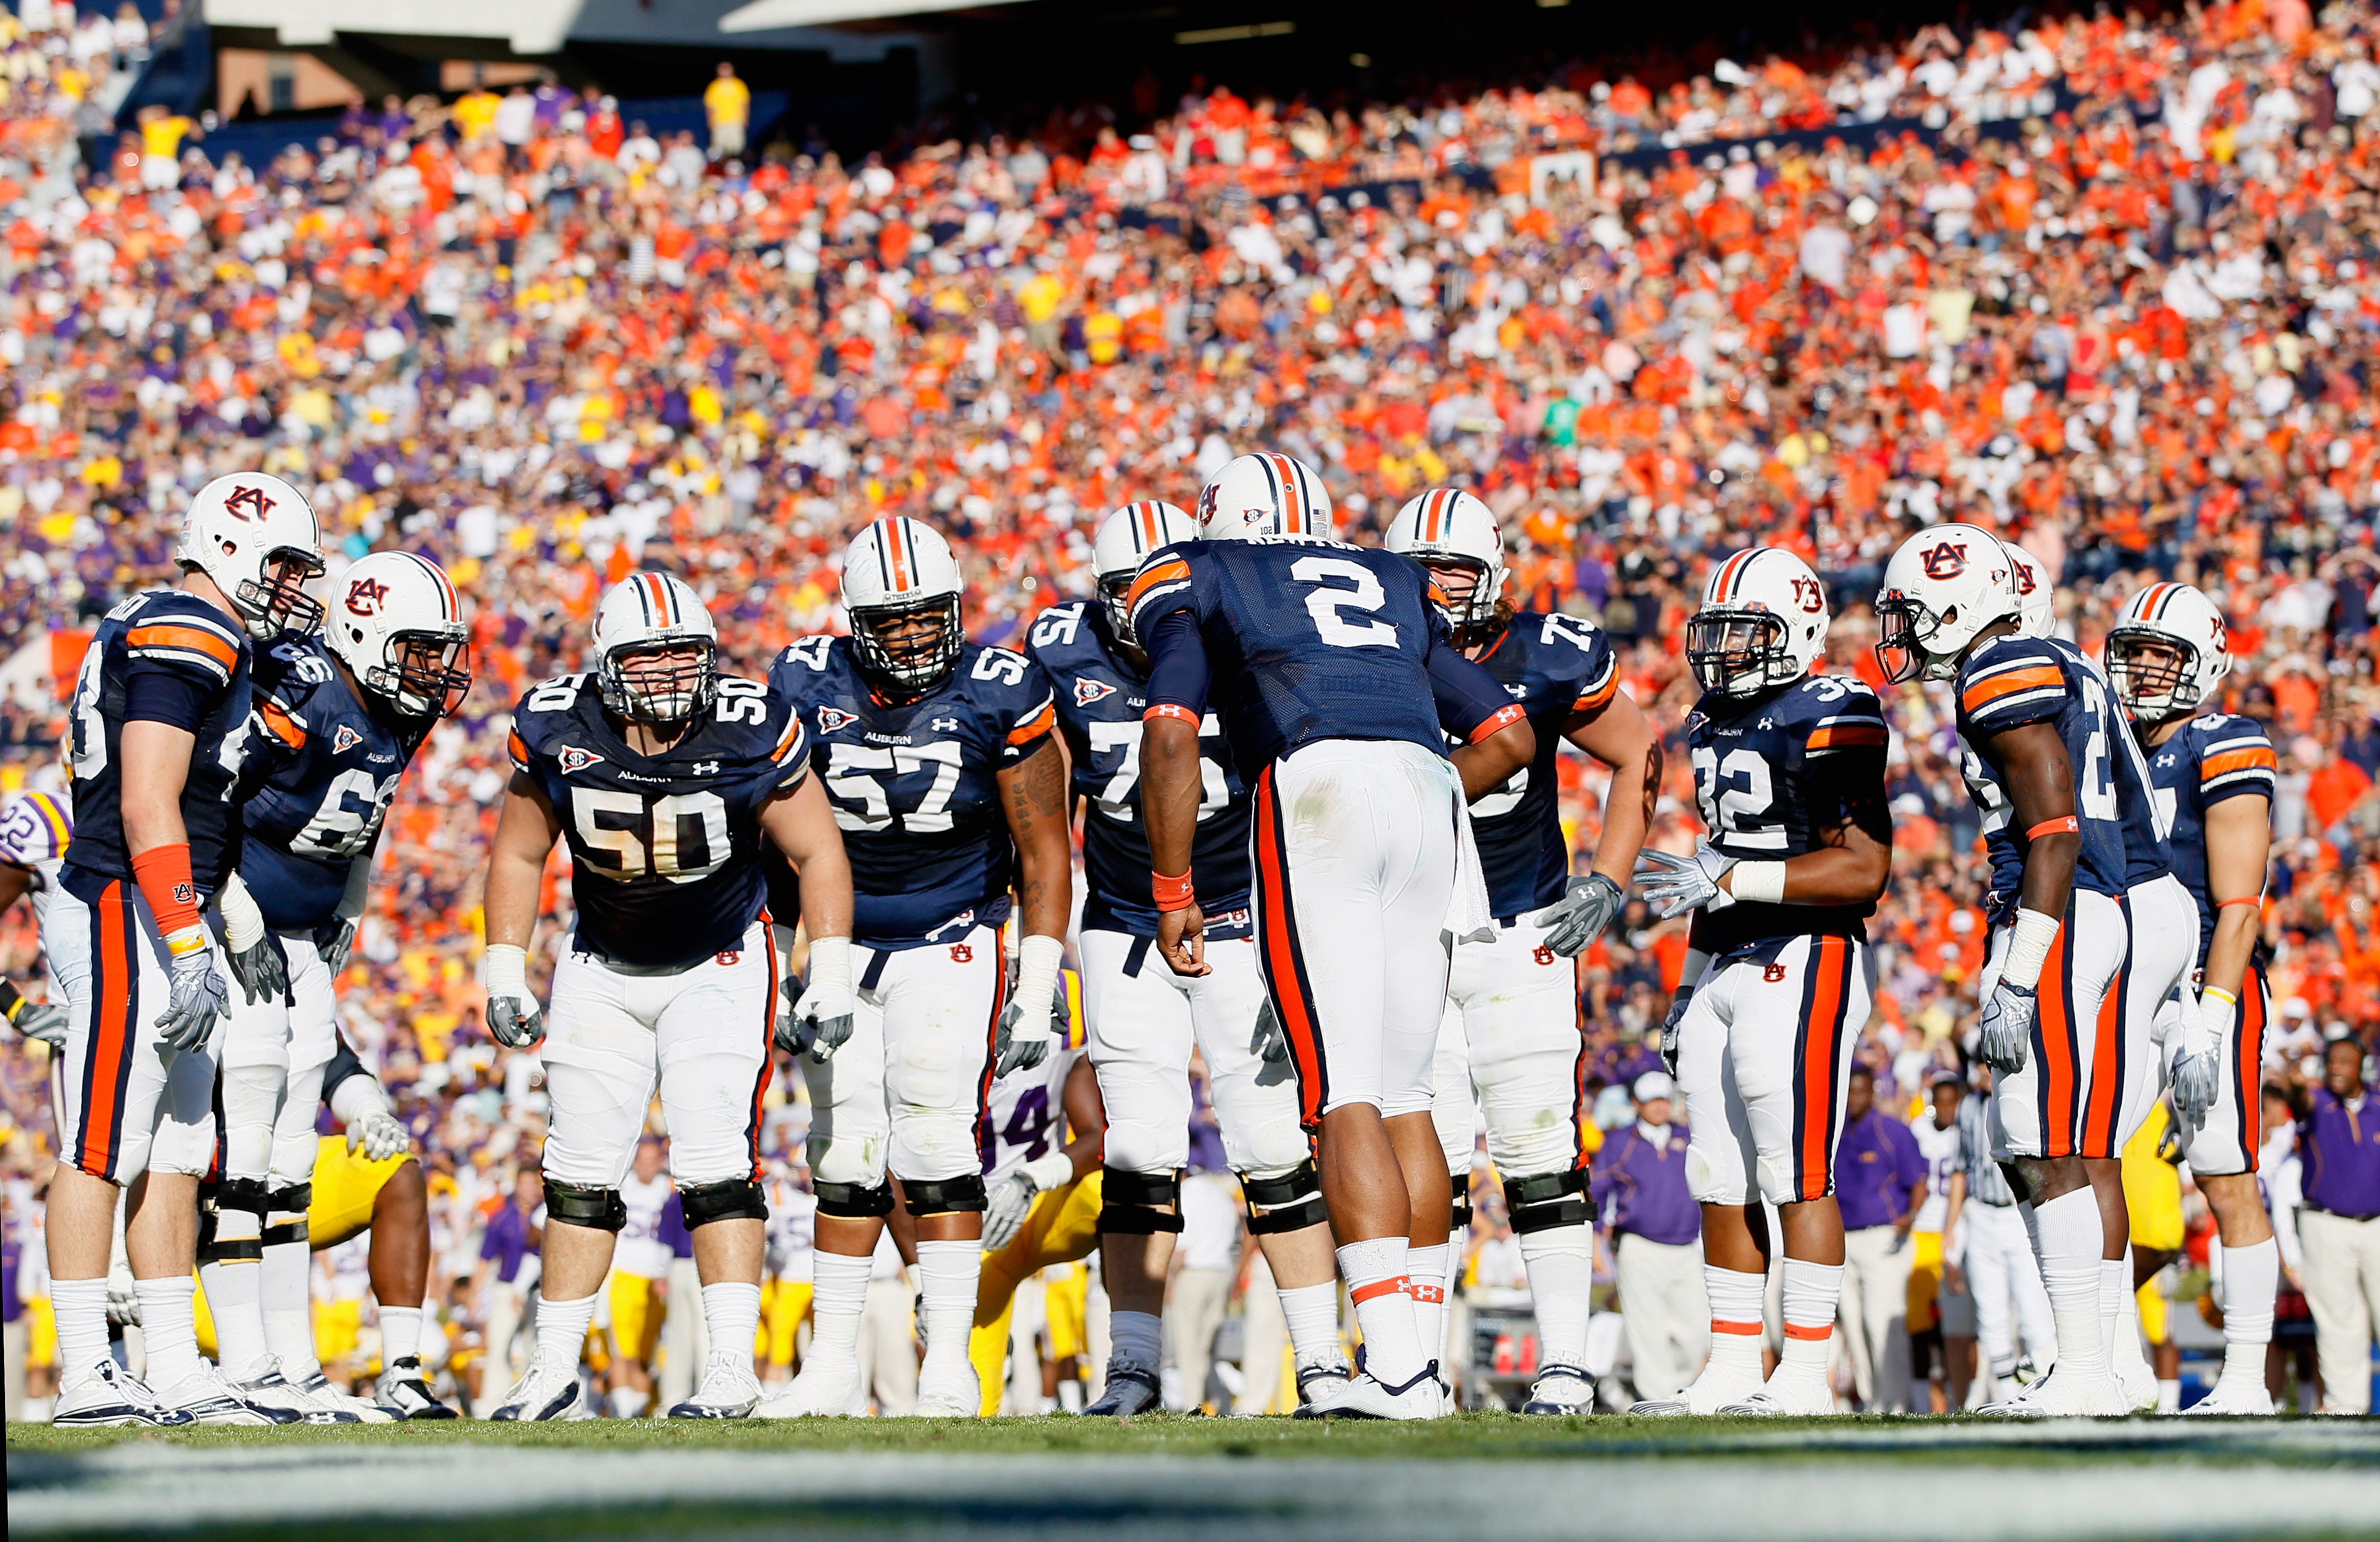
{"x":1710,"y":1184}
{"x":236,"y":1206}
{"x":598,"y":1210}
{"x":1547,"y":1200}
{"x":1128,"y":1201}
{"x":285,"y":1219}
{"x":853,"y":1201}
{"x":733,"y":1199}
{"x":1289,"y":1203}
{"x":1777,"y":1178}
{"x":845,"y":1163}
{"x":1459,"y":1219}
{"x":944,"y":1195}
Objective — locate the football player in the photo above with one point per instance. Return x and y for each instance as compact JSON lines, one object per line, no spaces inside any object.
{"x":2167,"y":657}
{"x":2035,"y":724}
{"x":338,"y":717}
{"x":1337,"y":682}
{"x":1513,"y":1001}
{"x":35,"y":830}
{"x":159,"y":733}
{"x":1144,"y":1019}
{"x":664,"y":775}
{"x":1788,"y":778}
{"x":949,"y":789}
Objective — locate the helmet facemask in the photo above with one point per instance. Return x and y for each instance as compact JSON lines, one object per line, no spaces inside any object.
{"x":663,"y":682}
{"x":919,"y":657}
{"x":1738,"y":652}
{"x":1905,"y":629}
{"x":1470,"y":607}
{"x":1114,"y":591}
{"x":276,"y":603}
{"x":428,"y":675}
{"x":2155,"y":673}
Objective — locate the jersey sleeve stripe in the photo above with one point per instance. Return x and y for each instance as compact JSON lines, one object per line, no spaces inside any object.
{"x":175,"y":640}
{"x":281,"y":725}
{"x":1035,"y":726}
{"x":1498,"y":721}
{"x":2258,"y":759}
{"x":1598,"y":695}
{"x":2029,"y":677}
{"x":1170,"y":573}
{"x":518,"y":747}
{"x":793,"y":739}
{"x":1849,"y":735}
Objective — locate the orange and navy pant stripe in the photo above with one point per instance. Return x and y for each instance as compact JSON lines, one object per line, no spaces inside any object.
{"x":2102,"y":1104}
{"x":983,"y":1132}
{"x":1283,"y":958}
{"x":115,"y":943}
{"x":2247,"y":1066}
{"x":1821,"y":1043}
{"x":2056,"y":1045}
{"x":768,"y":1050}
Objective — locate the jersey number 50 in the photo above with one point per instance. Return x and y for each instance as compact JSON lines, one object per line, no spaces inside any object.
{"x":646,"y":834}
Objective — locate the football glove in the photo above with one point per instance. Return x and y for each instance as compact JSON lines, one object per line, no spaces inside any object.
{"x":331,"y":941}
{"x":377,"y":1130}
{"x":44,"y":1021}
{"x":1576,"y":919}
{"x":2006,"y":1030}
{"x":199,"y":997}
{"x":820,"y":1021}
{"x":252,"y":951}
{"x":1674,"y":885}
{"x":1670,"y":1026}
{"x":2197,"y":1065}
{"x":513,"y":1020}
{"x":123,"y":1295}
{"x":1036,"y":1009}
{"x":1268,"y":1043}
{"x":1012,"y":1197}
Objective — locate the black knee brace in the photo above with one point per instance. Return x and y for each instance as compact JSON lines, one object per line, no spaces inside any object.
{"x":1461,"y":1220}
{"x":294,"y":1200}
{"x":854,"y":1201}
{"x":245,"y":1195}
{"x":1549,"y":1200}
{"x":730,"y":1200}
{"x":945,"y":1195}
{"x":1289,"y":1203}
{"x":598,"y":1210}
{"x":1128,"y":1202}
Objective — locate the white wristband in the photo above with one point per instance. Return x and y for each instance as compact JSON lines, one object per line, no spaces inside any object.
{"x":243,"y":922}
{"x":2029,"y":948}
{"x":831,"y":963}
{"x":506,"y":970}
{"x":357,"y":1096}
{"x":1038,"y":959}
{"x":1054,"y":1170}
{"x":1757,"y":882}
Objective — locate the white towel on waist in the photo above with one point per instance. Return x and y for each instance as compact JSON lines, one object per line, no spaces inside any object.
{"x":1467,"y":917}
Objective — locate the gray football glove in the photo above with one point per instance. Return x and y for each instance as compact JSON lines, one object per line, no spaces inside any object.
{"x":1010,"y":1202}
{"x":1670,"y":1026}
{"x":1019,"y":1052}
{"x":331,"y":941}
{"x":515,"y":1021}
{"x":819,"y":1023}
{"x":1673,"y":885}
{"x":1268,"y":1043}
{"x":44,"y":1021}
{"x":1576,"y":919}
{"x":377,"y":1130}
{"x":199,"y":997}
{"x":262,"y":971}
{"x":2005,"y":1031}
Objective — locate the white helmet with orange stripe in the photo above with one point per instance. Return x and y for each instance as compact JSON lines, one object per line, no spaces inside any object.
{"x":1126,"y":539}
{"x":395,"y":621}
{"x":1944,"y":586}
{"x":656,"y":650}
{"x":1264,"y":495}
{"x":1762,"y":624}
{"x":1449,"y":531}
{"x":2036,"y":613}
{"x":901,"y":587}
{"x":256,"y":536}
{"x":2168,"y":652}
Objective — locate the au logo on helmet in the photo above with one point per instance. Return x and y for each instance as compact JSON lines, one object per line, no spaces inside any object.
{"x":364,"y":596}
{"x":1946,"y":561}
{"x":248,"y":503}
{"x":1809,"y":596}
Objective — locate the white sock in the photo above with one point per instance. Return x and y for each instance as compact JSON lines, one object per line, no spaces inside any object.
{"x":80,"y":1307}
{"x":2125,"y":1348}
{"x":2070,"y":1240}
{"x":1426,"y":1267}
{"x":1138,"y":1339}
{"x":730,"y":1311}
{"x":2168,"y":1397}
{"x":562,"y":1328}
{"x":1812,"y":1293}
{"x":1313,"y":1314}
{"x":1380,"y":1283}
{"x":169,"y":1328}
{"x":1736,"y":1302}
{"x":1561,"y":1262}
{"x":628,"y":1403}
{"x":948,"y":1275}
{"x":2115,"y":1283}
{"x":288,"y":1309}
{"x":400,"y":1334}
{"x":2251,"y":1277}
{"x":838,"y":1294}
{"x":234,"y":1299}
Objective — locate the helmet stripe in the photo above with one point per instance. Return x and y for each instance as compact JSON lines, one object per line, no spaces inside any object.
{"x":1292,"y":505}
{"x":1150,"y":530}
{"x":897,"y":542}
{"x":644,"y":600}
{"x":448,"y":609}
{"x":1731,"y":574}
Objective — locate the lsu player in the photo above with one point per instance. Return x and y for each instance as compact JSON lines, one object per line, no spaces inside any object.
{"x":1513,"y":1001}
{"x":338,"y":718}
{"x":1146,"y":1019}
{"x":1789,"y":775}
{"x":1337,"y":683}
{"x":158,"y":737}
{"x":950,"y":790}
{"x":36,"y":827}
{"x":665,"y":776}
{"x":640,"y":1263}
{"x":2035,"y":724}
{"x":2213,"y":774}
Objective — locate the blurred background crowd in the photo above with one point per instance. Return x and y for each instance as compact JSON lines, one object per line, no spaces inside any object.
{"x":2104,"y":282}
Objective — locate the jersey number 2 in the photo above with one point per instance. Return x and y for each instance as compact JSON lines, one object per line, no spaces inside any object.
{"x":1329,"y":604}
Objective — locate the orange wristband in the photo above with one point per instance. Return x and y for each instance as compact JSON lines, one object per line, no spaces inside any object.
{"x":2226,"y":904}
{"x":1172,"y":893}
{"x":2065,"y":824}
{"x":164,"y":875}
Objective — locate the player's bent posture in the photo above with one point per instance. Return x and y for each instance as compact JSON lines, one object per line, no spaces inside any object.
{"x":1337,"y":682}
{"x":950,"y":789}
{"x":1513,"y":1000}
{"x":1144,"y":1018}
{"x":337,"y":718}
{"x":1789,"y":774}
{"x":2216,"y":772}
{"x":159,"y":735}
{"x":665,"y":776}
{"x":2033,"y":722}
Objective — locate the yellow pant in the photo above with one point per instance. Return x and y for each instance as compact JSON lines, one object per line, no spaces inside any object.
{"x":636,"y":1317}
{"x":2152,"y":1312}
{"x":2152,"y":1188}
{"x":1925,"y":1279}
{"x":40,"y":1332}
{"x":335,"y":1327}
{"x":345,"y":1188}
{"x":1062,"y":1226}
{"x":784,"y":1305}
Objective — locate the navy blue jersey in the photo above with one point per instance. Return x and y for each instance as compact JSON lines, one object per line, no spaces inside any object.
{"x":2207,"y":762}
{"x":1099,"y":698}
{"x":2147,"y":856}
{"x":915,"y":786}
{"x":1774,"y":774}
{"x":319,"y":788}
{"x":176,"y":644}
{"x":1560,"y":670}
{"x":664,"y":849}
{"x":2012,"y":681}
{"x":1309,"y":639}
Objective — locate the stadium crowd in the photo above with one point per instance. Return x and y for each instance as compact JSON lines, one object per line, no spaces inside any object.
{"x":2106,"y":284}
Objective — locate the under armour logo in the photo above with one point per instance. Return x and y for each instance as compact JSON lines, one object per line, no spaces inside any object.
{"x":1518,"y":693}
{"x":246,"y":502}
{"x":832,"y":718}
{"x":345,"y":739}
{"x":1945,"y":561}
{"x":2165,"y":760}
{"x":364,"y":596}
{"x":1088,"y":691}
{"x":946,"y":725}
{"x":573,"y":760}
{"x":706,"y":767}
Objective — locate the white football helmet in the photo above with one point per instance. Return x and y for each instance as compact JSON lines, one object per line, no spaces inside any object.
{"x":1264,"y":495}
{"x":655,"y":612}
{"x":1945,"y":584}
{"x":1449,"y":528}
{"x":895,"y":570}
{"x":1124,"y":538}
{"x":2168,"y":652}
{"x":2036,"y":599}
{"x":1763,"y":623}
{"x":400,"y":629}
{"x":256,"y":536}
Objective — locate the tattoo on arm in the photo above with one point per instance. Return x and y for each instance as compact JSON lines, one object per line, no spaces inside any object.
{"x":1652,"y":779}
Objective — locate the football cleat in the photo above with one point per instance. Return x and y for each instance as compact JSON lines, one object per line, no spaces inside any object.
{"x":210,"y":1400}
{"x":946,"y":1394}
{"x":728,"y":1391}
{"x":317,"y":1387}
{"x":1803,"y":1398}
{"x":1130,"y":1390}
{"x":2236,"y":1397}
{"x":272,"y":1390}
{"x":1368,"y":1397}
{"x":2063,"y":1393}
{"x":827,"y":1387}
{"x":403,"y":1392}
{"x":1561,"y":1390}
{"x":107,"y":1397}
{"x":1708,"y":1395}
{"x":2137,"y":1382}
{"x":547,"y":1390}
{"x":1321,"y":1386}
